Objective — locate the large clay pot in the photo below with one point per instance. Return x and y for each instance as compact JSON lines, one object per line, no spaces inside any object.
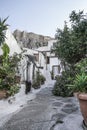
{"x":83,"y":105}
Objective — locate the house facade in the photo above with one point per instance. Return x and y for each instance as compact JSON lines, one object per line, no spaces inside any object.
{"x":48,"y":60}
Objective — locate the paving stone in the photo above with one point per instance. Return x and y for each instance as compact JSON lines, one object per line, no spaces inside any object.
{"x":69,"y":108}
{"x":58,"y":104}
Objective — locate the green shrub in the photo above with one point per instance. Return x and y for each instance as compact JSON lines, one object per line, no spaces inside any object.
{"x":8,"y":72}
{"x":12,"y":90}
{"x":38,"y":81}
{"x":42,"y":79}
{"x":8,"y":65}
{"x":81,"y":66}
{"x":36,"y":84}
{"x":72,"y":80}
{"x":60,"y":87}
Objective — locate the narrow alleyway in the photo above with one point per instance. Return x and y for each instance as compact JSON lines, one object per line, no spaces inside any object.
{"x":47,"y":112}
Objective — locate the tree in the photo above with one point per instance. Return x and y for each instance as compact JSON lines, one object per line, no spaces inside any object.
{"x":72,"y":42}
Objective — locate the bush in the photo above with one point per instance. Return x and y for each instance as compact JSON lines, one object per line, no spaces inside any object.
{"x":72,"y":80}
{"x":8,"y":65}
{"x":8,"y":72}
{"x":81,"y":66}
{"x":12,"y":90}
{"x":36,"y":84}
{"x":42,"y":79}
{"x":60,"y":87}
{"x":38,"y":81}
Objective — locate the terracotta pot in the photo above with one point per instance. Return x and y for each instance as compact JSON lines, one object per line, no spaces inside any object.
{"x":3,"y":94}
{"x":83,"y":105}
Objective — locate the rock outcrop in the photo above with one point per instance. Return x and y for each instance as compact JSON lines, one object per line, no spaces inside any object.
{"x":31,"y":40}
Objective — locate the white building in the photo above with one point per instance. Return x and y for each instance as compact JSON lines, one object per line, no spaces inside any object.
{"x":29,"y":64}
{"x":48,"y":60}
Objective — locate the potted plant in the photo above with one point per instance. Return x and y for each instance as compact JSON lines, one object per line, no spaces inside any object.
{"x":80,"y":86}
{"x":80,"y":83}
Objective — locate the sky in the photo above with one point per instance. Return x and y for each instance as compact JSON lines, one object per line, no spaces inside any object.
{"x":39,"y":16}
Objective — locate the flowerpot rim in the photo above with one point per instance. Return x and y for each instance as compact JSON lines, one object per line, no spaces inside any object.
{"x":82,"y":96}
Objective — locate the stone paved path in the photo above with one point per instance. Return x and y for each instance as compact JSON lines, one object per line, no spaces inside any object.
{"x":47,"y":112}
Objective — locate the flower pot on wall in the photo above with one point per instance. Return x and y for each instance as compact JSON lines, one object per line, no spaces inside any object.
{"x":83,"y":105}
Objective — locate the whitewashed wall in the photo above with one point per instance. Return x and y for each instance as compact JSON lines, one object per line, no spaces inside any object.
{"x":55,"y":64}
{"x":42,"y":61}
{"x":54,"y":61}
{"x":23,"y":69}
{"x":50,"y":43}
{"x":12,"y":43}
{"x":48,"y":54}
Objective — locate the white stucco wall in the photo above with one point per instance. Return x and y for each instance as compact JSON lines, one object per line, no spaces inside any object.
{"x":43,"y":48}
{"x":42,"y":61}
{"x":23,"y":69}
{"x":30,"y":51}
{"x":31,"y":72}
{"x":50,"y":43}
{"x":54,"y":61}
{"x":12,"y":43}
{"x":48,"y":54}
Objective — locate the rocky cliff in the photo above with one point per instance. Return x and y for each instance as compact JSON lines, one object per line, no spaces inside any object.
{"x":30,"y":40}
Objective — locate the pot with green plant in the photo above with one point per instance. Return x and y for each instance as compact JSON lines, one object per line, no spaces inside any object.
{"x":80,"y":83}
{"x":80,"y":86}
